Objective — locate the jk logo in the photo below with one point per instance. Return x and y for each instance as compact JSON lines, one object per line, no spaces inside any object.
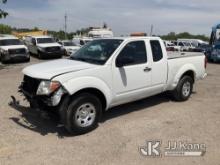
{"x":152,"y":149}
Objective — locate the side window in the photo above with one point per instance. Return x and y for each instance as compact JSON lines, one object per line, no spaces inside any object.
{"x":133,"y":53}
{"x":156,"y":50}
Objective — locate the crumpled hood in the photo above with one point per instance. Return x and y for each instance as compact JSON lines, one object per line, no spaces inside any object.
{"x":48,"y":70}
{"x":13,"y":47}
{"x":46,"y":45}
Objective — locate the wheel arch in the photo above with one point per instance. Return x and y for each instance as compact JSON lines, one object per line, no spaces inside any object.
{"x":188,"y":70}
{"x":94,"y":91}
{"x":189,"y":73}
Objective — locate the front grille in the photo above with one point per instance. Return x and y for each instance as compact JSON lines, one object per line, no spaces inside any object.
{"x":30,"y":85}
{"x":17,"y":51}
{"x":53,"y":49}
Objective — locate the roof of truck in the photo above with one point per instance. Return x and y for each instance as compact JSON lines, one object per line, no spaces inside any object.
{"x":130,"y":38}
{"x":41,"y":36}
{"x":6,"y":36}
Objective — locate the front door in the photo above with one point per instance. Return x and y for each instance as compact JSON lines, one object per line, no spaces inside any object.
{"x":131,"y":80}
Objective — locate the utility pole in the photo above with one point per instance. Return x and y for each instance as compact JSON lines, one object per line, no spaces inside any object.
{"x":65,"y":26}
{"x":151,"y":30}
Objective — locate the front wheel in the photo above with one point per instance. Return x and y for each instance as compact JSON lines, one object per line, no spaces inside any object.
{"x":184,"y":89}
{"x":83,"y":114}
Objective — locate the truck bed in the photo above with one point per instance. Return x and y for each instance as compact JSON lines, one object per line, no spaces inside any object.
{"x":178,"y":61}
{"x":174,"y":55}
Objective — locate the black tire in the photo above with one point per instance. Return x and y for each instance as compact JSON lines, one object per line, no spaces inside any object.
{"x":179,"y":93}
{"x":28,"y":59}
{"x":4,"y":61}
{"x":40,"y":56}
{"x":61,"y":56}
{"x":75,"y":123}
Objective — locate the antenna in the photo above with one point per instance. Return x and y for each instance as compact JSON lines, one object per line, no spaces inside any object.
{"x":65,"y":26}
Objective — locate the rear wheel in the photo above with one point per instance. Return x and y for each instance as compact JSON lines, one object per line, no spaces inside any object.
{"x":3,"y":60}
{"x":83,"y":113}
{"x":40,"y":55}
{"x":28,"y":59}
{"x":184,"y":89}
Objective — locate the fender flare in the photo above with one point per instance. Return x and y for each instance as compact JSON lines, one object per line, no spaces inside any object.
{"x":75,"y":85}
{"x":185,"y":68}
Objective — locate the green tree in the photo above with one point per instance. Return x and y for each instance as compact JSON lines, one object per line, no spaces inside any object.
{"x":5,"y":29}
{"x":186,"y":35}
{"x":3,"y":14}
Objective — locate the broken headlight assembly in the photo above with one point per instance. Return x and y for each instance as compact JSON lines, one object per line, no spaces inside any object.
{"x":48,"y":87}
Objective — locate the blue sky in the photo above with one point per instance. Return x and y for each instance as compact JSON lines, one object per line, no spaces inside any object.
{"x":123,"y":16}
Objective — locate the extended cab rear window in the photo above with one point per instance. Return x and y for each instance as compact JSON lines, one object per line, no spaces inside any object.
{"x":156,"y":50}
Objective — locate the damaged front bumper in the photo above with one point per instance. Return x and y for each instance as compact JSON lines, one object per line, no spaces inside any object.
{"x":38,"y":101}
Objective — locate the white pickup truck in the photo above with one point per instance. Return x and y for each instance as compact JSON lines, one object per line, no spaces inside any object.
{"x":109,"y":72}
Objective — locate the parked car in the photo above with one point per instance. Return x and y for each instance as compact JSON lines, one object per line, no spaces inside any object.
{"x":110,"y":72}
{"x":69,"y":46}
{"x":12,"y":49}
{"x":171,"y":46}
{"x":184,"y":46}
{"x":81,"y":41}
{"x":194,"y":42}
{"x":215,"y":54}
{"x":203,"y":48}
{"x":44,"y":47}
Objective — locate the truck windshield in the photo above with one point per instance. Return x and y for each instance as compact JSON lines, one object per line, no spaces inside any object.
{"x":45,"y":40}
{"x":97,"y":51}
{"x":8,"y":42}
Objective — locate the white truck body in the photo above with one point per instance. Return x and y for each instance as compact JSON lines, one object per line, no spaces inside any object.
{"x":44,"y":46}
{"x":125,"y":84}
{"x":11,"y":48}
{"x":101,"y":33}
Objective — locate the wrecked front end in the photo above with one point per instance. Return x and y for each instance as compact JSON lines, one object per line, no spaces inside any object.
{"x":41,"y":93}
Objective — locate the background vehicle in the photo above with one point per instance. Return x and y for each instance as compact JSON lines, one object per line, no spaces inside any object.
{"x":215,"y":35}
{"x":215,"y":54}
{"x":44,"y":47}
{"x":80,"y":41}
{"x":205,"y":48}
{"x":171,"y":46}
{"x":193,"y":42}
{"x":100,"y":33}
{"x":110,"y":72}
{"x":184,"y":46}
{"x":69,"y":46}
{"x":12,"y":49}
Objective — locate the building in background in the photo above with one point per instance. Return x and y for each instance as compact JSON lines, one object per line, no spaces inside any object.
{"x":21,"y":35}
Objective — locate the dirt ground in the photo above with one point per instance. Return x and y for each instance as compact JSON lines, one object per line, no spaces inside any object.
{"x":27,"y":137}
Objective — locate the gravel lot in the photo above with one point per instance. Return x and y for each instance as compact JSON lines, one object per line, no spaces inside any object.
{"x":28,"y":137}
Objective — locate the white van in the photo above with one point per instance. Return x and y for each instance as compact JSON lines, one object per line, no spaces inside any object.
{"x":194,"y":42}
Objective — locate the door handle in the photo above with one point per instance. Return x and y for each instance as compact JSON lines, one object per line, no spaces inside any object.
{"x":147,"y":69}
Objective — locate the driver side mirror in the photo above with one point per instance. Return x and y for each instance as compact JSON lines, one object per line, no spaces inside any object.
{"x":124,"y":61}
